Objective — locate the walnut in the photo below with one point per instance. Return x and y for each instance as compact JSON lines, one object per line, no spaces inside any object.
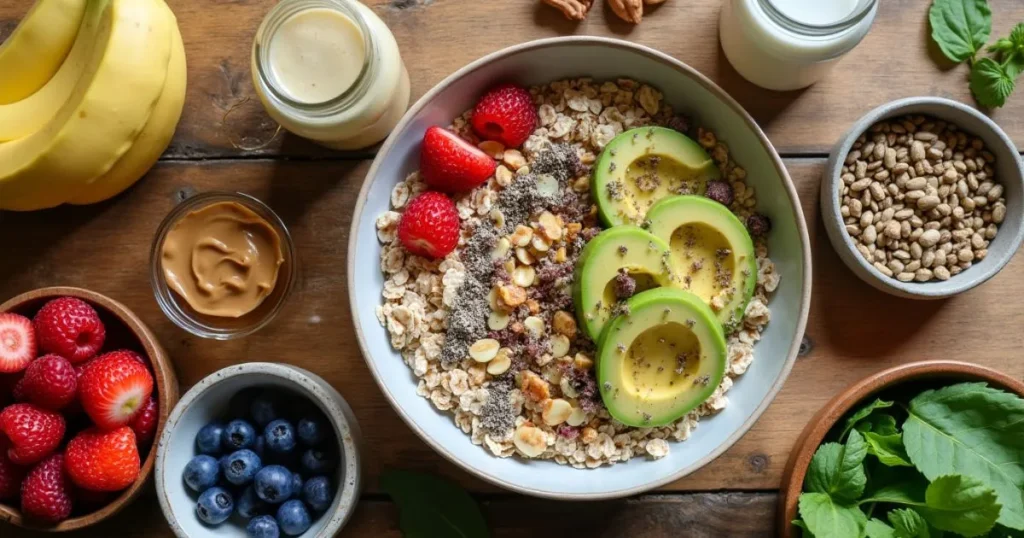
{"x":574,"y":10}
{"x":628,"y":10}
{"x":534,"y":387}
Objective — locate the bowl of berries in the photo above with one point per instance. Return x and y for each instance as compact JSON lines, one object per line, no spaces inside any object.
{"x":259,"y":450}
{"x":85,"y":388}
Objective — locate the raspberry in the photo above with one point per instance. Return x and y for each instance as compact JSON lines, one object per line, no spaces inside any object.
{"x":45,"y":492}
{"x":50,"y":382}
{"x":70,"y":328}
{"x":17,"y":342}
{"x":33,"y":432}
{"x":103,"y":461}
{"x":506,"y":114}
{"x":144,"y":423}
{"x":451,"y":164}
{"x":430,"y":225}
{"x":113,"y":388}
{"x":10,"y":478}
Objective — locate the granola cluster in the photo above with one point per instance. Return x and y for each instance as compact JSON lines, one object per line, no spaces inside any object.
{"x":488,"y":330}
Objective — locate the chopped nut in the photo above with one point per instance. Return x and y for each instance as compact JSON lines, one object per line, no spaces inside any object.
{"x":628,"y":10}
{"x":521,"y":236}
{"x":534,"y":325}
{"x":529,"y":440}
{"x":533,"y":306}
{"x":523,"y":276}
{"x":540,"y":243}
{"x":560,"y":256}
{"x":492,"y":148}
{"x":513,"y":157}
{"x":497,"y":320}
{"x":588,"y":435}
{"x":577,"y":417}
{"x":512,"y":295}
{"x":501,"y":249}
{"x":567,"y":388}
{"x":583,"y":362}
{"x":484,"y":350}
{"x":572,"y":229}
{"x":524,"y":256}
{"x":534,"y":387}
{"x":555,"y":411}
{"x":549,"y":223}
{"x":501,"y":362}
{"x":563,"y":323}
{"x":559,"y":345}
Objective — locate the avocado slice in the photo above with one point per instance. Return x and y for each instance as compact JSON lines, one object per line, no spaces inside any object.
{"x":713,"y":253}
{"x":641,"y":166}
{"x":645,"y":257}
{"x":661,"y":360}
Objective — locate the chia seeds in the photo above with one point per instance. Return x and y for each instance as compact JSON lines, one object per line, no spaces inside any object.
{"x":498,"y":418}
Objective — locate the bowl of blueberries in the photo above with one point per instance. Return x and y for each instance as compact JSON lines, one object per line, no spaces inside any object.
{"x":260,"y":450}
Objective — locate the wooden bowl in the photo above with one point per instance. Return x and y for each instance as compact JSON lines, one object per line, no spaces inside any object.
{"x":124,"y":330}
{"x":857,"y":394}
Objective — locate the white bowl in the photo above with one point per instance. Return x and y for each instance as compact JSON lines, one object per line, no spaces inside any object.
{"x":686,"y":90}
{"x":207,"y":401}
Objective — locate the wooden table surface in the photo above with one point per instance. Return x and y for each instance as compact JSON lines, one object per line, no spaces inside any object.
{"x":853,"y":330}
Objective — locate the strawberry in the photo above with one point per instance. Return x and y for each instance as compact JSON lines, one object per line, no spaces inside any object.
{"x":50,"y":382}
{"x":45,"y":492}
{"x":451,"y":164}
{"x":33,"y":432}
{"x":17,"y":342}
{"x":505,"y":113}
{"x":144,"y":423}
{"x":126,"y":353}
{"x":103,"y":460}
{"x":11,"y":476}
{"x":430,"y":225}
{"x":70,"y":328}
{"x":113,"y":389}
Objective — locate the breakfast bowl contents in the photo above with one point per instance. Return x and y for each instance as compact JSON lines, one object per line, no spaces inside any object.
{"x":259,"y":450}
{"x":84,"y":391}
{"x":222,"y":265}
{"x":926,"y":192}
{"x":574,"y":271}
{"x":926,"y":449}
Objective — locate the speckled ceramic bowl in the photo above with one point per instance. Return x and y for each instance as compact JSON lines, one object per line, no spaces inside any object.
{"x":687,"y":91}
{"x":208,"y":401}
{"x":1009,"y":173}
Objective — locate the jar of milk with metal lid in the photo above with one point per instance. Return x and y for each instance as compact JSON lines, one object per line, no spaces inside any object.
{"x":791,"y":44}
{"x":330,"y":71}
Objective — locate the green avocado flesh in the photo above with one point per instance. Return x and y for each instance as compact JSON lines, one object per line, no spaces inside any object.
{"x":662,"y":359}
{"x":645,"y":257}
{"x":641,"y":166}
{"x":712,"y":250}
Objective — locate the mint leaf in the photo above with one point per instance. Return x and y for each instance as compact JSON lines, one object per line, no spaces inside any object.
{"x":888,"y":449}
{"x":838,"y":470}
{"x":880,"y":423}
{"x":429,"y":506}
{"x":863,"y":413}
{"x":961,"y":504}
{"x":877,"y":529}
{"x":974,"y":430}
{"x":804,"y":531}
{"x":910,"y":493}
{"x":991,"y":83}
{"x":908,"y":524}
{"x":827,"y":519}
{"x":960,"y":27}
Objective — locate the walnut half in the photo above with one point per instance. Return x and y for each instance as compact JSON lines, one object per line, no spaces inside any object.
{"x":628,"y":10}
{"x":574,"y":10}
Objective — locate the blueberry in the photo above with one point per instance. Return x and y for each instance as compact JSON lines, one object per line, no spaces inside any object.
{"x":237,"y":435}
{"x":316,"y":461}
{"x":208,"y":438}
{"x":273,"y":483}
{"x":293,"y":518}
{"x":264,"y":410}
{"x":280,"y":436}
{"x":262,"y":527}
{"x":311,"y":431}
{"x":240,"y":467}
{"x":317,"y":493}
{"x":201,"y":473}
{"x":249,"y":504}
{"x":297,"y":483}
{"x":215,"y":506}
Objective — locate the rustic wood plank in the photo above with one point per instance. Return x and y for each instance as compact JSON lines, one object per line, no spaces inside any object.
{"x":438,"y":37}
{"x":854,"y":330}
{"x":708,"y":515}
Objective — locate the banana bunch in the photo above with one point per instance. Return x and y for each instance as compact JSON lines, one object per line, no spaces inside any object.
{"x":90,"y":95}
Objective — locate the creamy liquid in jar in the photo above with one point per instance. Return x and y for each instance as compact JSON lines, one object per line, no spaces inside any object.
{"x":791,"y":44}
{"x":330,"y":71}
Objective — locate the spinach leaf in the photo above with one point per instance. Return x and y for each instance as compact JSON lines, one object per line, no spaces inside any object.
{"x":960,"y":504}
{"x":908,"y":524}
{"x":825,"y":518}
{"x":430,"y":507}
{"x":879,"y":423}
{"x":875,"y":528}
{"x":838,"y":470}
{"x":960,"y":27}
{"x":974,"y":430}
{"x":908,"y":492}
{"x":864,"y":413}
{"x":888,"y":449}
{"x":991,"y":83}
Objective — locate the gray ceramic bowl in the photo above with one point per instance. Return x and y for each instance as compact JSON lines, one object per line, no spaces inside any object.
{"x":207,"y":401}
{"x":686,"y":90}
{"x":1009,"y":173}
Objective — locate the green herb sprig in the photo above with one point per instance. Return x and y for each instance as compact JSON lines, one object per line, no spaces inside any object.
{"x":961,"y":29}
{"x":950,"y":462}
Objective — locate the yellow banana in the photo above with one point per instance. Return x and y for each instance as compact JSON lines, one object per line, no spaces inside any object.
{"x":36,"y":49}
{"x":102,"y":118}
{"x":24,"y":117}
{"x":154,"y":138}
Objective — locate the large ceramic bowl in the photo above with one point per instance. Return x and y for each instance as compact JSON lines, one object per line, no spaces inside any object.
{"x":687,"y":91}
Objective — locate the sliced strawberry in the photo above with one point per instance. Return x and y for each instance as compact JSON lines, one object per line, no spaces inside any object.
{"x":451,"y":164}
{"x":113,"y":388}
{"x":17,"y":342}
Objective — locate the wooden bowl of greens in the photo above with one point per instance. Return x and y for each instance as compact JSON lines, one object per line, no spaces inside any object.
{"x":926,"y":449}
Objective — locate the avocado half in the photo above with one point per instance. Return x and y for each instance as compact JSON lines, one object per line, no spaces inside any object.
{"x":644,"y":256}
{"x":713,"y":252}
{"x":643,"y":165}
{"x":661,"y":360}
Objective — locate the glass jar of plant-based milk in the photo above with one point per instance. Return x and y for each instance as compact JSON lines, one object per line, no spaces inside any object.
{"x":330,"y":71}
{"x":791,"y":44}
